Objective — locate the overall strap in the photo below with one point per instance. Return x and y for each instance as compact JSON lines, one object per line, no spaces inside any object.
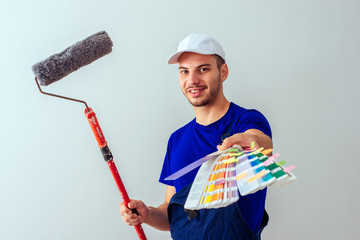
{"x":227,"y":132}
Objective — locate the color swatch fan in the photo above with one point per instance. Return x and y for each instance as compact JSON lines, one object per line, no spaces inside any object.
{"x":224,"y":176}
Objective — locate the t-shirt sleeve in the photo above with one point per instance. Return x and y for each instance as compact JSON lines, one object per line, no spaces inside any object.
{"x":166,"y":169}
{"x":253,"y":119}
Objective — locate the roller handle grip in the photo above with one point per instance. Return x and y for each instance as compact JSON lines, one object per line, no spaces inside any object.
{"x":100,"y":138}
{"x":95,"y":127}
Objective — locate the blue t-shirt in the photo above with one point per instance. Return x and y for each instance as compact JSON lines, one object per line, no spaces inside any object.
{"x":194,"y":141}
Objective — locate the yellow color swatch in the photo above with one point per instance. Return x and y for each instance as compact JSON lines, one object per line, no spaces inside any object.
{"x":231,"y":160}
{"x":241,"y":176}
{"x":258,"y":175}
{"x":257,"y":151}
{"x":208,"y":199}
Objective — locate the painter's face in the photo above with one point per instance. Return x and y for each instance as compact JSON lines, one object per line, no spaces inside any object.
{"x":200,"y":79}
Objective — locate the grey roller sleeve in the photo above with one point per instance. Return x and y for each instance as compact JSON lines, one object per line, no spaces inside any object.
{"x":72,"y":58}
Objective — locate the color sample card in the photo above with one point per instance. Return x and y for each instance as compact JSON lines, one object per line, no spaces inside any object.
{"x":214,"y":185}
{"x":225,"y":176}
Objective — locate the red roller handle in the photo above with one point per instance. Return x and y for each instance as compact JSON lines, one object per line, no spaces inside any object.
{"x":100,"y":138}
{"x":124,"y":195}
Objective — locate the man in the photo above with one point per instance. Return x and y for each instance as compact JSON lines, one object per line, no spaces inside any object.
{"x":202,"y":72}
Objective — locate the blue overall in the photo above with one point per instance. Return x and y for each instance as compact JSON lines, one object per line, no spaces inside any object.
{"x":225,"y":223}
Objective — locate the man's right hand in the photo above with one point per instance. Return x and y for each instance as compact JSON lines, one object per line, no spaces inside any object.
{"x":131,"y":218}
{"x":155,"y":217}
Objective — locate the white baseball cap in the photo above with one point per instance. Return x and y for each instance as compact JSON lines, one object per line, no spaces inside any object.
{"x":198,"y":43}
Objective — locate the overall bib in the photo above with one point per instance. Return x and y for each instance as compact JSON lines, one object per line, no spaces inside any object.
{"x":211,"y":224}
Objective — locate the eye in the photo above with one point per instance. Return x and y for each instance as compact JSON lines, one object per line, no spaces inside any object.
{"x":184,"y":71}
{"x":204,"y":69}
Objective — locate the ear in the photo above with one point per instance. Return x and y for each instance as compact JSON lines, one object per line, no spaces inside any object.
{"x":224,"y":72}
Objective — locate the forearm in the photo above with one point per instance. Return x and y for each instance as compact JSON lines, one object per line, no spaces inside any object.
{"x":260,"y":138}
{"x":158,"y":217}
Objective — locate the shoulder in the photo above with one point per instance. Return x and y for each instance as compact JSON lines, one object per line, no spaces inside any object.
{"x":244,"y":114}
{"x":246,"y":119}
{"x":180,"y":132}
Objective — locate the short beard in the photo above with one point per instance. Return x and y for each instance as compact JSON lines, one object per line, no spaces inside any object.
{"x":212,"y":95}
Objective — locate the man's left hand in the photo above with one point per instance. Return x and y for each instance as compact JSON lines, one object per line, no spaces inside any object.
{"x":245,"y":139}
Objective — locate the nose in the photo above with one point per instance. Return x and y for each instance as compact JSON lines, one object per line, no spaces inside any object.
{"x":193,"y":78}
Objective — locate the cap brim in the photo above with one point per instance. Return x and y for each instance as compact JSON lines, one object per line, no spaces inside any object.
{"x":175,"y":57}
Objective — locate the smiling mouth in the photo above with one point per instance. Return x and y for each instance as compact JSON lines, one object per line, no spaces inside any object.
{"x":194,"y":91}
{"x":197,"y":89}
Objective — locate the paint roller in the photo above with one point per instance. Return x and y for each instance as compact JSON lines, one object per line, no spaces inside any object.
{"x":69,"y":60}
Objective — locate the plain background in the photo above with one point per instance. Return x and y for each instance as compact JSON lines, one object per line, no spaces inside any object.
{"x":296,"y":61}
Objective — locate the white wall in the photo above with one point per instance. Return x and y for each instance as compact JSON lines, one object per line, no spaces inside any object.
{"x":296,"y":61}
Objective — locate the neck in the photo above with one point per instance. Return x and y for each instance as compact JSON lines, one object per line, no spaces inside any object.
{"x":212,"y":112}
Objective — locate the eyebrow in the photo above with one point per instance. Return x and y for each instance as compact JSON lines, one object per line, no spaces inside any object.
{"x":200,"y":66}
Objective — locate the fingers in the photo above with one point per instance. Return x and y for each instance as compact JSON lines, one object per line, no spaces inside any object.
{"x":132,"y":219}
{"x":128,"y":216}
{"x":242,"y":139}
